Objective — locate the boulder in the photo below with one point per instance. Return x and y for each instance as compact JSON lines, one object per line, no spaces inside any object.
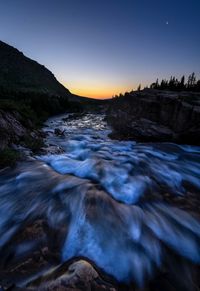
{"x":79,"y":275}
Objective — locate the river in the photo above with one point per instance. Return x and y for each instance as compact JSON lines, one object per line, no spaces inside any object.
{"x":107,"y":199}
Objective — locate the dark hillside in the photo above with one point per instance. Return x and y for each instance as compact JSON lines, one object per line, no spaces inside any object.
{"x":19,"y":73}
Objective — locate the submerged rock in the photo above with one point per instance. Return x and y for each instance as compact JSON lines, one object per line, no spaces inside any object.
{"x":59,"y":132}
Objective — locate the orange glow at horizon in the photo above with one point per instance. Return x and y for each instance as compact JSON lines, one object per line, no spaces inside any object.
{"x":98,"y":93}
{"x":93,"y":93}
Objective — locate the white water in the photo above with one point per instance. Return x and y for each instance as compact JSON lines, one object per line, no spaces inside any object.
{"x":110,"y":195}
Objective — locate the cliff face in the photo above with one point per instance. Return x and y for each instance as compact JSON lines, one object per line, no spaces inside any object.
{"x":152,"y":115}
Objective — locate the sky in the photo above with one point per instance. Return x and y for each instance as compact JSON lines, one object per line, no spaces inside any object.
{"x":99,"y":48}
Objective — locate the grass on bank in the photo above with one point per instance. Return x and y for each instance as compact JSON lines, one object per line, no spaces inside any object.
{"x":9,"y":157}
{"x":33,"y":143}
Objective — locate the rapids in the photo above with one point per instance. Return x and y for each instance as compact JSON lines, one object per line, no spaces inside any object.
{"x":108,"y":195}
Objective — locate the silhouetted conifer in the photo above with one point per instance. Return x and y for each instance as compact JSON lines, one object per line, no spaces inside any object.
{"x":175,"y":85}
{"x":182,"y":83}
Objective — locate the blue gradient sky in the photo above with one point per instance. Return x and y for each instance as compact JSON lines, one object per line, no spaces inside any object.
{"x":100,"y":48}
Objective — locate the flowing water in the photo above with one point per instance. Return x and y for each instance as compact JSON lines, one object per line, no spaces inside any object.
{"x":107,"y":197}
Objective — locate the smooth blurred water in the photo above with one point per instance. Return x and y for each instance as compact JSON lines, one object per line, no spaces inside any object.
{"x":109,"y":193}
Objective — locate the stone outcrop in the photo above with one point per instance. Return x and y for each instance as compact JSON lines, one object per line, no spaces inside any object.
{"x":11,"y":129}
{"x":153,"y":115}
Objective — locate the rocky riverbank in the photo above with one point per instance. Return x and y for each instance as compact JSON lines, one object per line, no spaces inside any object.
{"x":153,"y":115}
{"x":17,"y":134}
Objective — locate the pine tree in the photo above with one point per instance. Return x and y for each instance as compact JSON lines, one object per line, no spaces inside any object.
{"x":191,"y":81}
{"x":182,"y":83}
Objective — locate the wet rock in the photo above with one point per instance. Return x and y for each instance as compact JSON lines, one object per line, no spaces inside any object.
{"x":59,"y":132}
{"x":52,"y":149}
{"x":74,"y":116}
{"x":80,"y":275}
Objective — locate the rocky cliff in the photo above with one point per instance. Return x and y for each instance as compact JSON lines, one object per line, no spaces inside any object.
{"x":153,"y":115}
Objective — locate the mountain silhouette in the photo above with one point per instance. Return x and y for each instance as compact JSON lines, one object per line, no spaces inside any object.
{"x":20,"y":73}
